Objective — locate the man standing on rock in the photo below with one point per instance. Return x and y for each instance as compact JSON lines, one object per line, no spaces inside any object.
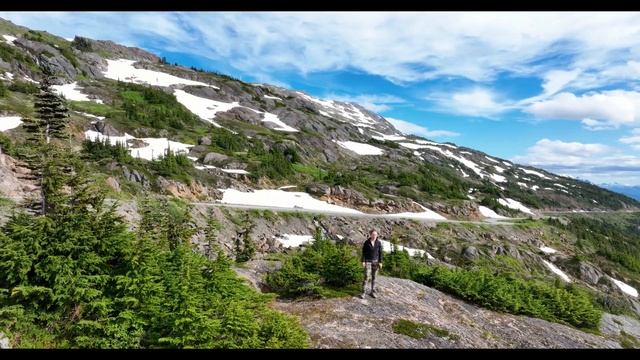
{"x":371,"y":262}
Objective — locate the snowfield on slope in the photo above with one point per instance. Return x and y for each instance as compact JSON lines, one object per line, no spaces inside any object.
{"x":331,"y":108}
{"x":383,"y":137}
{"x":426,"y":214}
{"x":533,"y":172}
{"x":207,"y":109}
{"x":513,"y":204}
{"x":281,"y":199}
{"x":488,"y":213}
{"x":626,"y":288}
{"x":73,"y":92}
{"x":123,"y":70}
{"x":9,"y":39}
{"x":204,"y":108}
{"x":155,"y":148}
{"x":360,"y":148}
{"x":9,"y":122}
{"x":557,"y":271}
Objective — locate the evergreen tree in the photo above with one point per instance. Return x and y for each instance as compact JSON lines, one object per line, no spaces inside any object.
{"x":211,"y":234}
{"x":245,"y":248}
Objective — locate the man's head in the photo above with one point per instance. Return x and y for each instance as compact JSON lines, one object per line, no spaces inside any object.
{"x":373,"y":234}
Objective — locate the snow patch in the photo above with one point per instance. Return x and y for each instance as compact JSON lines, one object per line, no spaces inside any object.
{"x":290,"y":240}
{"x":286,"y":187}
{"x":204,"y":108}
{"x":7,"y":76}
{"x":626,"y":288}
{"x":9,"y":39}
{"x":413,"y":146}
{"x":386,"y":247}
{"x":272,"y":97}
{"x":360,"y":148}
{"x":557,"y":271}
{"x":274,"y":119}
{"x":9,"y":122}
{"x":347,"y":111}
{"x":499,"y":169}
{"x":123,"y":70}
{"x":513,"y":204}
{"x":384,"y":137}
{"x":548,"y":250}
{"x":155,"y":148}
{"x":426,"y":214}
{"x":486,"y":212}
{"x":535,"y":187}
{"x":498,"y":178}
{"x":281,"y":199}
{"x":72,"y":92}
{"x":425,"y":142}
{"x":533,"y":172}
{"x":492,"y":160}
{"x":468,"y":163}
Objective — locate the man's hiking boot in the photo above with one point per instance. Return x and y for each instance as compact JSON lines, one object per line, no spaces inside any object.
{"x":362,"y":296}
{"x":373,"y":295}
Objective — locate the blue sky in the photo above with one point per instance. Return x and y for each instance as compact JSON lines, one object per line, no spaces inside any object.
{"x":559,"y":91}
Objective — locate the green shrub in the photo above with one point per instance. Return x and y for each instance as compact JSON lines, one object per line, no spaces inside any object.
{"x":514,"y":295}
{"x":24,"y":87}
{"x":291,"y":280}
{"x":322,"y":266}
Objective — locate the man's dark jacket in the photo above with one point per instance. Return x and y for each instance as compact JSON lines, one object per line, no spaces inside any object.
{"x":372,"y":252}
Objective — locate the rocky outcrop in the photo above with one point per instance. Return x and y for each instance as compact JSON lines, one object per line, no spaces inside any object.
{"x":49,"y":57}
{"x":356,"y":323}
{"x":114,"y":50}
{"x":193,"y":191}
{"x":14,"y":182}
{"x":106,"y":128}
{"x":613,"y":325}
{"x":465,"y":210}
{"x":135,"y":176}
{"x":113,"y":183}
{"x":215,"y":158}
{"x":589,"y":273}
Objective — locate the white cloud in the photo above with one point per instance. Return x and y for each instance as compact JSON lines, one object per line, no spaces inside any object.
{"x":553,"y":82}
{"x":400,"y":46}
{"x":597,"y":163}
{"x":607,"y":109}
{"x":410,"y":128}
{"x":375,"y":103}
{"x":474,"y":101}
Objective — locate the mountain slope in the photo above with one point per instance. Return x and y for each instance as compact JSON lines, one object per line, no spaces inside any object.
{"x":337,"y":151}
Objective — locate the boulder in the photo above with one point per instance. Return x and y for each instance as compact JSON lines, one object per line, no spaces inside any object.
{"x":470,"y":252}
{"x":589,"y":273}
{"x":319,"y":189}
{"x":204,"y":140}
{"x":213,"y":158}
{"x":113,"y":183}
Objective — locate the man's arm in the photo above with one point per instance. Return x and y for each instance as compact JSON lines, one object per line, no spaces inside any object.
{"x":380,"y":252}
